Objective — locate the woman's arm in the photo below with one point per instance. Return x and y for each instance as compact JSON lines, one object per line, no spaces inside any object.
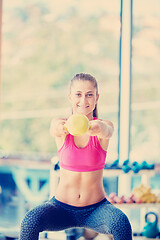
{"x":57,"y":128}
{"x":103,"y":129}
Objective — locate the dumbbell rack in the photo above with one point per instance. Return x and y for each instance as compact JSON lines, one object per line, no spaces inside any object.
{"x":137,"y":205}
{"x":142,"y":238}
{"x":124,"y":185}
{"x":122,"y":189}
{"x":118,"y":172}
{"x":123,"y":177}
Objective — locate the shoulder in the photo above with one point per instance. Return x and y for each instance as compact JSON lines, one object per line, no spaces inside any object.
{"x":61,"y":140}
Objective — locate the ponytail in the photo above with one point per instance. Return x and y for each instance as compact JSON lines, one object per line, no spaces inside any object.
{"x":95,"y":112}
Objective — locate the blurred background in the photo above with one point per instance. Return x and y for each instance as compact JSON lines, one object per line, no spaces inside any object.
{"x":44,"y":44}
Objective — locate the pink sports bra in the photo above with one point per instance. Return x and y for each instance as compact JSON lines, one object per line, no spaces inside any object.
{"x":90,"y":158}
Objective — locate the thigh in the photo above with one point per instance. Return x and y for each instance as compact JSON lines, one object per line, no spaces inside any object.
{"x":109,"y":219}
{"x":48,"y":216}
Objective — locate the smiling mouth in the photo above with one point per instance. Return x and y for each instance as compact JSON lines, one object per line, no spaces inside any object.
{"x":83,"y":106}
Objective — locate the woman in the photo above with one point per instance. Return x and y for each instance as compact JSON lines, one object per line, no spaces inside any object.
{"x":80,"y":197}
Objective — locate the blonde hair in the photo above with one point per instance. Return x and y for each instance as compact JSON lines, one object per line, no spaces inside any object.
{"x":86,"y":77}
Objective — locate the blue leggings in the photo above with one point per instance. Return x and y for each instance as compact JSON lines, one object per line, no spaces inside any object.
{"x":102,"y":217}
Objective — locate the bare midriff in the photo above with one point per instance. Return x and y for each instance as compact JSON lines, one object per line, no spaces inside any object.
{"x":80,"y":188}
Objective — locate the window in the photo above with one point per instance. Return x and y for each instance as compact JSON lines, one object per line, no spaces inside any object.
{"x":145,"y":128}
{"x":44,"y":46}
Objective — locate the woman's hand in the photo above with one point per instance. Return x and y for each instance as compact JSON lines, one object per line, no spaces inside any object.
{"x":100,"y":128}
{"x":57,"y":127}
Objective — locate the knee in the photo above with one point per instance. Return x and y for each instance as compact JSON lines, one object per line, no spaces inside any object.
{"x":29,"y":222}
{"x":121,"y":225}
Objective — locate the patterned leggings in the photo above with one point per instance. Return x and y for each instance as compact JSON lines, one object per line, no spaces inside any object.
{"x":102,"y":217}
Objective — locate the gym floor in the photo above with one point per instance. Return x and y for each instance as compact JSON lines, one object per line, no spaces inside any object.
{"x":99,"y":237}
{"x":61,"y":236}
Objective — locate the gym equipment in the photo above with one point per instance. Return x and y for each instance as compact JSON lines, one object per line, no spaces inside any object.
{"x":74,"y":233}
{"x":151,"y":230}
{"x":126,"y":168}
{"x":144,"y":193}
{"x":28,"y":182}
{"x":135,"y":234}
{"x":77,"y":124}
{"x":114,"y":165}
{"x":135,"y":166}
{"x":126,"y":162}
{"x":8,"y":233}
{"x":145,"y":165}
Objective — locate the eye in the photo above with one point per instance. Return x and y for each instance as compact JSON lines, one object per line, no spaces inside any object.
{"x":90,"y":95}
{"x":78,"y":94}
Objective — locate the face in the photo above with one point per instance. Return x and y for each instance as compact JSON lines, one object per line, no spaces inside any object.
{"x":83,"y":97}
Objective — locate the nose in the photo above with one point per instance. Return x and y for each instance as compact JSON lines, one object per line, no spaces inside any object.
{"x":83,"y":100}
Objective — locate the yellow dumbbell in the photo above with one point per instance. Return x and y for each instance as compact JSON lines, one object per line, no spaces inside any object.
{"x":77,"y":124}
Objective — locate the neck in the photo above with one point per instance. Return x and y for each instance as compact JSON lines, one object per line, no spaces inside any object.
{"x":90,"y":116}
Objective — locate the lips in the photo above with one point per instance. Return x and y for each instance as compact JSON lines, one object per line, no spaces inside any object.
{"x":83,"y":106}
